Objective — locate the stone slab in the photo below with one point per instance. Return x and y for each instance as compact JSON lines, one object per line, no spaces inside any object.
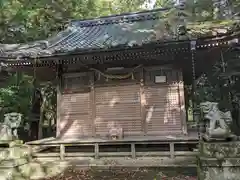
{"x":14,"y":152}
{"x":32,"y":170}
{"x":214,"y":162}
{"x":10,"y":163}
{"x":226,"y":149}
{"x":219,"y":161}
{"x":219,"y":173}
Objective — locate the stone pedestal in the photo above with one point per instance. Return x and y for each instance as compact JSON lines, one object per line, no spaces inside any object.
{"x":17,"y":154}
{"x":219,"y":160}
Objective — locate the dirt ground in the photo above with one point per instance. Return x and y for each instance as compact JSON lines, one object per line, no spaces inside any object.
{"x":126,"y":174}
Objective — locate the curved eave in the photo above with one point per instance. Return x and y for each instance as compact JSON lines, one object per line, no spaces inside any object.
{"x":150,"y":50}
{"x":167,"y":46}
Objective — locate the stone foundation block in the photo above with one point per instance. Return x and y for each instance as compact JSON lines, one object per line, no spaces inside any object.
{"x":219,"y":160}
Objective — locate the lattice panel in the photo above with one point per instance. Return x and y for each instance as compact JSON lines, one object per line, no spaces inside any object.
{"x":162,"y":109}
{"x":119,"y":105}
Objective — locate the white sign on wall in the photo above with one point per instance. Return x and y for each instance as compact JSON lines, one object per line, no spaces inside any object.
{"x":160,"y":79}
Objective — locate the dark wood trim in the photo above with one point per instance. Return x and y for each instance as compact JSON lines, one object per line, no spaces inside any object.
{"x":142,"y":104}
{"x":131,"y":54}
{"x":80,"y":82}
{"x":152,"y":68}
{"x":182,"y":103}
{"x":112,"y":84}
{"x":79,"y":90}
{"x":74,"y":75}
{"x":93,"y":105}
{"x":102,"y":81}
{"x":58,"y":111}
{"x":169,"y":46}
{"x":96,"y":56}
{"x":59,"y":95}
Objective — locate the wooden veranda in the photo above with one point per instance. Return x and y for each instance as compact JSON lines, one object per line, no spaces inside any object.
{"x":139,"y":146}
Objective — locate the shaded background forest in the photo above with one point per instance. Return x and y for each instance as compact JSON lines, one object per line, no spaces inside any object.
{"x":29,"y":20}
{"x":22,"y":21}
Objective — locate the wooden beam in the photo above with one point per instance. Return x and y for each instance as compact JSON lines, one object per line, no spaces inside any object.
{"x":108,"y":142}
{"x":80,"y":154}
{"x":116,"y":154}
{"x":45,"y":155}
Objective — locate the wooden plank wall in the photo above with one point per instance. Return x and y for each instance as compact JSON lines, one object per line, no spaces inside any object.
{"x":86,"y":106}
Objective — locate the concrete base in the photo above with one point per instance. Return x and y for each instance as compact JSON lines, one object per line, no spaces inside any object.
{"x":219,"y":161}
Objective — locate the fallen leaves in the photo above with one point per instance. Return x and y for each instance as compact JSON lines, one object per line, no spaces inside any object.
{"x":76,"y":173}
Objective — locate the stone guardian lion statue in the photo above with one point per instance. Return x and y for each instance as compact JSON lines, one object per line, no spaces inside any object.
{"x":13,"y":121}
{"x":217,"y":122}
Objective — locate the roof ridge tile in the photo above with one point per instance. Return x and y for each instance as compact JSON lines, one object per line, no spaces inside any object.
{"x":121,"y":18}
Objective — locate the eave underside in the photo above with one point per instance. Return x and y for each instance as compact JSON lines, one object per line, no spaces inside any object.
{"x":182,"y":54}
{"x":164,"y":52}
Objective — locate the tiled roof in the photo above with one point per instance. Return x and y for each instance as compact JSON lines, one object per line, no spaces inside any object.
{"x":102,"y":33}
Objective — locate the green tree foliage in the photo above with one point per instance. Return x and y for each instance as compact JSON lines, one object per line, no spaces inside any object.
{"x":16,"y":96}
{"x":32,"y":20}
{"x":163,"y":3}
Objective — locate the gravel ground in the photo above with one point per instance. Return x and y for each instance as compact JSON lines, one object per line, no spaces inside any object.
{"x":126,"y":174}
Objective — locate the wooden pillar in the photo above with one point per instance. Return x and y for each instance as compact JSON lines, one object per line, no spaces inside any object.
{"x":41,"y":118}
{"x":181,"y":100}
{"x":96,"y":150}
{"x":40,"y":133}
{"x":133,"y":151}
{"x":142,"y":102}
{"x":58,"y":111}
{"x":59,"y":85}
{"x":62,"y":151}
{"x":194,"y":105}
{"x":172,"y":153}
{"x":93,"y":104}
